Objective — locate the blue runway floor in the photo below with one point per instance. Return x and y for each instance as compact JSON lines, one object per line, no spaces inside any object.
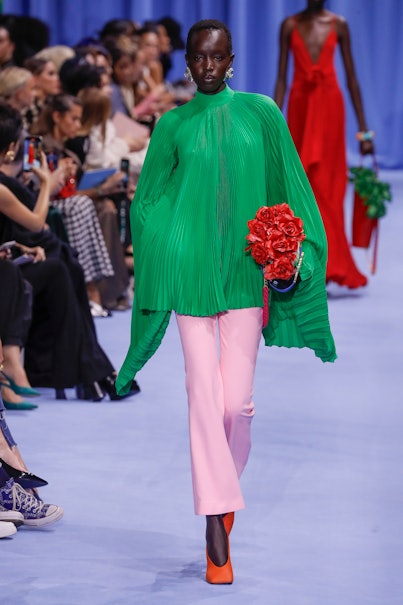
{"x":323,"y":488}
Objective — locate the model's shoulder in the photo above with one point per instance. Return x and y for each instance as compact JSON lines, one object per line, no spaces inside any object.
{"x":168,"y":120}
{"x":341,"y":24}
{"x":288,"y":24}
{"x":255,"y":99}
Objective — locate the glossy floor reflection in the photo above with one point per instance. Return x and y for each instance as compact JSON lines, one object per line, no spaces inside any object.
{"x":323,"y":487}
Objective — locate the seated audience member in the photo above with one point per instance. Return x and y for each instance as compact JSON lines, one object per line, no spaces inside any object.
{"x":105,"y":148}
{"x":170,"y":37}
{"x":115,"y":28}
{"x":127,"y":64}
{"x":152,"y":72}
{"x":22,"y":507}
{"x":62,"y":348}
{"x":17,"y":87}
{"x":7,"y":41}
{"x":58,"y":54}
{"x":94,"y":52}
{"x":77,"y":73}
{"x":15,"y":320}
{"x":58,"y":122}
{"x":30,"y":35}
{"x":47,"y":82}
{"x":169,"y":32}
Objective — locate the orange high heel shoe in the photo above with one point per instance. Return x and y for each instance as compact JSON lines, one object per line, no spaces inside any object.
{"x":228,"y":520}
{"x":219,"y":575}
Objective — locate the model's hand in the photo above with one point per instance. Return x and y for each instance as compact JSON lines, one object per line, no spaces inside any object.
{"x":367,"y":148}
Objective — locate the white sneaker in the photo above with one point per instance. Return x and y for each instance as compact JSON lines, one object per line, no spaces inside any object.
{"x":7,"y":529}
{"x":11,"y":516}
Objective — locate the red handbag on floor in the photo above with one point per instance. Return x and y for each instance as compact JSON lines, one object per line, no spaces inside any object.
{"x":364,"y":228}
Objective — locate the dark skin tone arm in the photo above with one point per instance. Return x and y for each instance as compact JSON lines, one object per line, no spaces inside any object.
{"x":314,"y":27}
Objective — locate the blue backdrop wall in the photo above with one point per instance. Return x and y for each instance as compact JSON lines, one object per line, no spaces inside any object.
{"x":375,"y":26}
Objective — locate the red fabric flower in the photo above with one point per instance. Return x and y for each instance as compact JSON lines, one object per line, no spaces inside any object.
{"x":275,"y":236}
{"x":281,"y":268}
{"x":274,"y":241}
{"x":260,"y":252}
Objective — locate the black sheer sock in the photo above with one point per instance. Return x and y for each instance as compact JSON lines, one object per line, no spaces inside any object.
{"x":217,"y":540}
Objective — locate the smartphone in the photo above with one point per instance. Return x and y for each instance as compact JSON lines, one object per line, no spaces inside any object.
{"x":23,"y":259}
{"x":7,"y":245}
{"x":32,"y":152}
{"x":124,"y":167}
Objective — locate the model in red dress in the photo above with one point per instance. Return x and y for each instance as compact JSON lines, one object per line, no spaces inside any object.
{"x":316,"y":119}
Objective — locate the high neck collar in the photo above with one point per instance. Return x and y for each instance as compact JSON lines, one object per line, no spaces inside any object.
{"x":220,"y":98}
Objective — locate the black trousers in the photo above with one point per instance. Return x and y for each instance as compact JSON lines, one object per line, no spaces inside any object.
{"x":15,"y":305}
{"x":62,"y":349}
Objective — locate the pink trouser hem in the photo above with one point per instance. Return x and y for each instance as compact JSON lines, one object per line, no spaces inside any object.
{"x":215,"y":508}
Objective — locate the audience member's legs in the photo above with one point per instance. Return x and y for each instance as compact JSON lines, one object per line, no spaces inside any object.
{"x":15,"y":319}
{"x":112,"y":288}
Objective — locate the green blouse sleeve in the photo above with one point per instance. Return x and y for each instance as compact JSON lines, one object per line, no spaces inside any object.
{"x":148,"y":327}
{"x":298,"y":318}
{"x":159,"y":164}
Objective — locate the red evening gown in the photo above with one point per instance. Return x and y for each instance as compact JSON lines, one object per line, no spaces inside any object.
{"x":317,"y":123}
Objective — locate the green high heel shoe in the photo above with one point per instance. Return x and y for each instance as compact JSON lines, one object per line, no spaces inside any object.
{"x":22,"y":405}
{"x":27,"y":391}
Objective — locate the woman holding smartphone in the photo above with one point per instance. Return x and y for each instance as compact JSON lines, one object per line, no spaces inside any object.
{"x":62,"y":349}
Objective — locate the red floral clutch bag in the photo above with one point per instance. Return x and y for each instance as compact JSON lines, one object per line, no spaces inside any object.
{"x":275,"y":241}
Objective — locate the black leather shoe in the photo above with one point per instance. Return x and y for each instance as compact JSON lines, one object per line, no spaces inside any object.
{"x":25,"y":479}
{"x":108,"y":384}
{"x":90,"y":392}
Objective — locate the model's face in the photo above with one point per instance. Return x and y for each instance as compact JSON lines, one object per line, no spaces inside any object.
{"x":208,"y":60}
{"x":48,"y":81}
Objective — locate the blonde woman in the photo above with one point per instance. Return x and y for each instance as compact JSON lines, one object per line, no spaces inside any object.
{"x":18,"y":88}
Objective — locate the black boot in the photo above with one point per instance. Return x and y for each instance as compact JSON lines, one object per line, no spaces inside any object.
{"x":108,"y":384}
{"x":90,"y":392}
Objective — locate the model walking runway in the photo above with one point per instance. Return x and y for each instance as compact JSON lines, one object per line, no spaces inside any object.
{"x":323,"y":488}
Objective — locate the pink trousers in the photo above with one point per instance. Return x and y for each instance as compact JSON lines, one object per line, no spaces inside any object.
{"x":220,"y":357}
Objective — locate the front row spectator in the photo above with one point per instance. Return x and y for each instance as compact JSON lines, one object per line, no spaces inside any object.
{"x":62,"y":349}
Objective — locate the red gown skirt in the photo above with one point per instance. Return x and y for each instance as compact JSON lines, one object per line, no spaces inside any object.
{"x":316,"y":119}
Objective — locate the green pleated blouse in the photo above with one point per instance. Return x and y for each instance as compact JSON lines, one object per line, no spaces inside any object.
{"x":210,"y":165}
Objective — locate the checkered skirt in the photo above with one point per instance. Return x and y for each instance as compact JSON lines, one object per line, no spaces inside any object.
{"x":85,"y":236}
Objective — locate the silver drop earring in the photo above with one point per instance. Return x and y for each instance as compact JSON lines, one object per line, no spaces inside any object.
{"x":188,"y":74}
{"x":229,"y":74}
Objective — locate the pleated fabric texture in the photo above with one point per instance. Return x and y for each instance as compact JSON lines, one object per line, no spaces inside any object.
{"x":211,"y":164}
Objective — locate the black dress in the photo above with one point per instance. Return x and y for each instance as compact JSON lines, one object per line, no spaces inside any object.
{"x":62,"y":349}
